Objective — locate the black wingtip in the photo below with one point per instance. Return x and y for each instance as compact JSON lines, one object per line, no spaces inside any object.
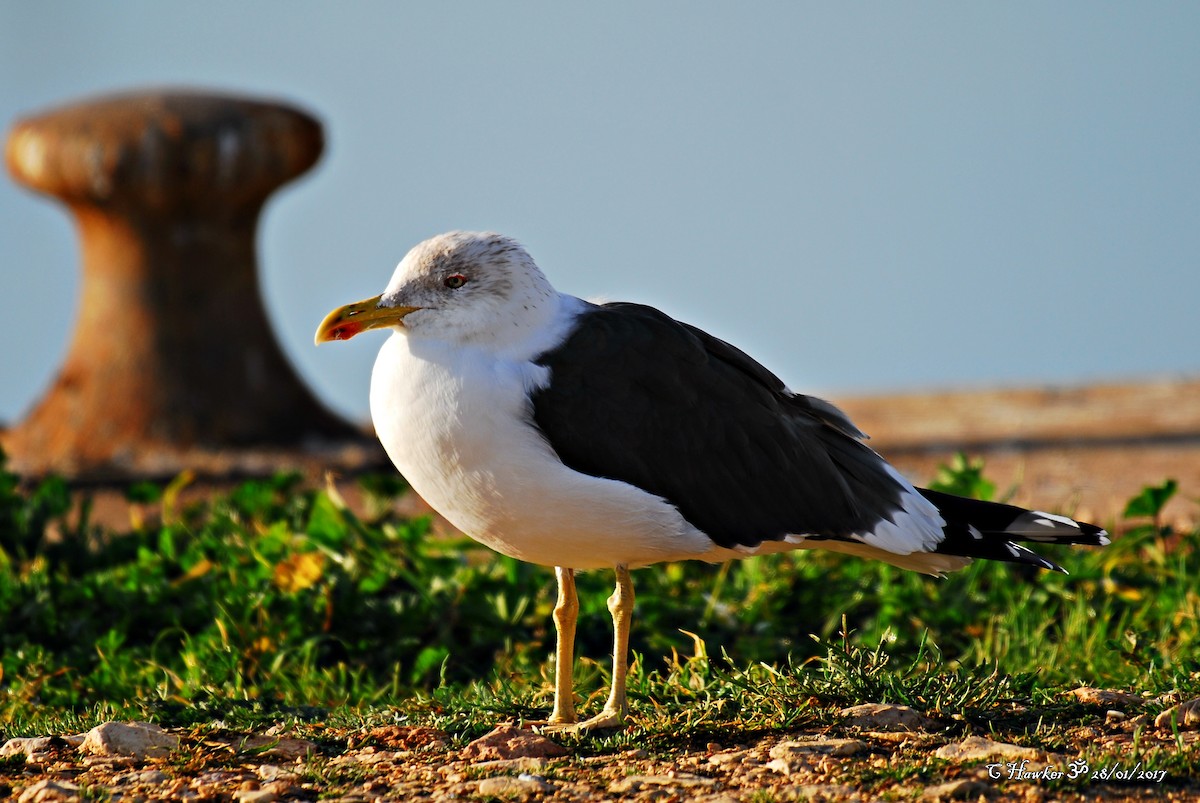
{"x":1028,"y":556}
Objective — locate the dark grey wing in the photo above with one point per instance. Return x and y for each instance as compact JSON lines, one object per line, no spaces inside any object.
{"x":637,"y":396}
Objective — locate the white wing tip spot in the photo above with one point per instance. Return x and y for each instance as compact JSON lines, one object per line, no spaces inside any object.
{"x":1051,"y":519}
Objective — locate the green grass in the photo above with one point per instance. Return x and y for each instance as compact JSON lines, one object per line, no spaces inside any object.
{"x":276,"y":602}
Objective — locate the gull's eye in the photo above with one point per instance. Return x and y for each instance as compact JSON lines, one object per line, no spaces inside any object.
{"x":455,"y":281}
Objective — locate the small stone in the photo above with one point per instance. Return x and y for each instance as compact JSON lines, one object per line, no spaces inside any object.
{"x":31,"y":746}
{"x":108,"y":763}
{"x":824,"y":747}
{"x":142,"y":778}
{"x":278,"y":788}
{"x":1112,"y":716}
{"x":975,"y":748}
{"x":789,"y":766}
{"x":404,"y":737}
{"x":690,"y":780}
{"x":1186,"y":716}
{"x":819,"y":792}
{"x":886,"y":717}
{"x":682,"y":780}
{"x":912,"y":739}
{"x":508,"y":786}
{"x":371,"y":757}
{"x":274,"y":772}
{"x":727,"y":758}
{"x":512,"y":765}
{"x":50,"y":791}
{"x":137,"y":740}
{"x":257,"y":796}
{"x":269,"y":745}
{"x":507,"y":741}
{"x":220,"y":777}
{"x":961,"y":789}
{"x":623,"y":786}
{"x":1109,"y":698}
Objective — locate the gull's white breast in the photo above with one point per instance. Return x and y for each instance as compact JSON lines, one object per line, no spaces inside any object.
{"x":457,"y":423}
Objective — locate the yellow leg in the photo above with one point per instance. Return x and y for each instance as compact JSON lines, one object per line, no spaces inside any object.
{"x":565,"y":614}
{"x":620,"y":604}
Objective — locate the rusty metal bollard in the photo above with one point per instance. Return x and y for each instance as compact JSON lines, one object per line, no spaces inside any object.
{"x":172,"y":357}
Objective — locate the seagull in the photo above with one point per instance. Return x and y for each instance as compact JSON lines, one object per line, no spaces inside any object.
{"x":587,"y":436}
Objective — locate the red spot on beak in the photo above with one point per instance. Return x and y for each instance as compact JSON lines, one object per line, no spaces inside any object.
{"x":346,"y":331}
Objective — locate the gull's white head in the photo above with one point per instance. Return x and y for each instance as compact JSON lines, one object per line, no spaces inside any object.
{"x":461,"y":287}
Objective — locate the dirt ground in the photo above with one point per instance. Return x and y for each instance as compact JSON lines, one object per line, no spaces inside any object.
{"x":878,"y":752}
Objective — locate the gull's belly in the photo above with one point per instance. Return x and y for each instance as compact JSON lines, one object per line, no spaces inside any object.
{"x":461,"y":434}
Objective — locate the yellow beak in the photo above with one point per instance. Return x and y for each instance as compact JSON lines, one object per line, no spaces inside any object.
{"x":346,"y":322}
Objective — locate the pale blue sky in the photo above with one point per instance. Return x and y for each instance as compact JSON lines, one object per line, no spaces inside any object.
{"x":863,"y":196}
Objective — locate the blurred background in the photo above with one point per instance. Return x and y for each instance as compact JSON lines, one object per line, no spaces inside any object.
{"x":865,"y":198}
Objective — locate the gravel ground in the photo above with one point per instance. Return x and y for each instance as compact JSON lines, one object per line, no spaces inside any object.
{"x":876,"y":752}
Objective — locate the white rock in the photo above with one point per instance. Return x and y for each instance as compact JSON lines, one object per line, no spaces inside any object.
{"x":142,"y":777}
{"x":961,"y":789}
{"x":507,"y":742}
{"x":524,"y":764}
{"x":1110,"y":698}
{"x":819,"y":792}
{"x":1186,"y":715}
{"x":976,"y":747}
{"x":31,"y":746}
{"x":274,"y":772}
{"x":257,"y":796}
{"x":135,"y":739}
{"x":50,"y":791}
{"x":681,"y":780}
{"x":270,"y":745}
{"x":789,"y":766}
{"x":886,"y":717}
{"x":508,"y":786}
{"x":824,"y":747}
